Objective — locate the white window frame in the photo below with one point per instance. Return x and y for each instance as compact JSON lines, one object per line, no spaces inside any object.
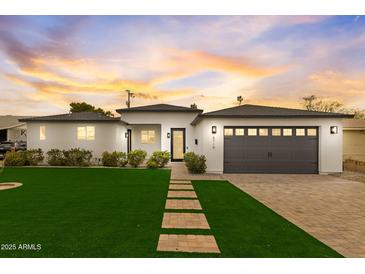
{"x":290,"y":130}
{"x":238,"y":133}
{"x":85,"y":133}
{"x":42,"y":133}
{"x":228,"y":132}
{"x":252,"y":132}
{"x":150,"y":136}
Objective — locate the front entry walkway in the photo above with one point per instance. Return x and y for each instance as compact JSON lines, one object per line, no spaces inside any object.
{"x":181,"y":199}
{"x":330,"y":209}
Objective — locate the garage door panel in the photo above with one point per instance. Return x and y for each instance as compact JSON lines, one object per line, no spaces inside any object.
{"x":255,"y":154}
{"x":271,"y":154}
{"x":257,"y":166}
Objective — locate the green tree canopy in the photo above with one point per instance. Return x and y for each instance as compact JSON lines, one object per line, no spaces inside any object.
{"x":85,"y":107}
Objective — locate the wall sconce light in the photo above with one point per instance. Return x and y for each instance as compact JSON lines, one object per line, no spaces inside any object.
{"x":214,"y":129}
{"x":334,"y":129}
{"x":196,"y":141}
{"x":168,"y":135}
{"x":126,"y":135}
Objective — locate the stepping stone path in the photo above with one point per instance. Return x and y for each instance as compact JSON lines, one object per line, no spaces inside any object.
{"x":183,"y":204}
{"x":181,"y":196}
{"x":185,"y":220}
{"x":187,"y":243}
{"x":181,"y":187}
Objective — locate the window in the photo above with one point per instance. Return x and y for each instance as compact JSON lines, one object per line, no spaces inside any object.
{"x":287,"y":132}
{"x":276,"y":132}
{"x":81,"y":133}
{"x":239,"y":132}
{"x":263,"y":132}
{"x":312,"y":132}
{"x":90,"y":133}
{"x":300,"y":132}
{"x":86,"y":133}
{"x":42,"y":133}
{"x":228,"y":131}
{"x":252,"y":131}
{"x":147,"y":136}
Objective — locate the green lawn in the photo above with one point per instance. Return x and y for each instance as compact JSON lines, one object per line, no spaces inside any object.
{"x":91,"y":212}
{"x":244,"y":227}
{"x":83,"y":212}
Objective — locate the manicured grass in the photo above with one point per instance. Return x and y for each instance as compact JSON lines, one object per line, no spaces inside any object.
{"x":83,"y":212}
{"x":244,"y":227}
{"x":101,"y":212}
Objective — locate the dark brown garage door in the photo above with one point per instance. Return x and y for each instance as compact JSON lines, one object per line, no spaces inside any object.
{"x":271,"y":149}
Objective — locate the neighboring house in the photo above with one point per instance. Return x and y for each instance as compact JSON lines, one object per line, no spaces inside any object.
{"x":11,"y":129}
{"x":247,"y":138}
{"x":354,"y":139}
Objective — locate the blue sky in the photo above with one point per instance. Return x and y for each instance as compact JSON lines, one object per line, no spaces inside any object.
{"x":46,"y":62}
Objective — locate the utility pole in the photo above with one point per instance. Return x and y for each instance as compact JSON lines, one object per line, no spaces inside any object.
{"x":130,"y":95}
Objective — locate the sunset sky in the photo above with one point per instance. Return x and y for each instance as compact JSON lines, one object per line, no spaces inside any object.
{"x":46,"y":62}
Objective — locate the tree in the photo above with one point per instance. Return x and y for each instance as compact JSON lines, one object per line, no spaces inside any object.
{"x":85,"y":107}
{"x":315,"y":103}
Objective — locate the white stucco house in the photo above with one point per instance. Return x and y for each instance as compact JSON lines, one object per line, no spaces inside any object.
{"x":11,"y":129}
{"x":241,"y":139}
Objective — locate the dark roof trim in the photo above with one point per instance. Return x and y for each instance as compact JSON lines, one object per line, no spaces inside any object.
{"x":159,"y":108}
{"x":75,"y":117}
{"x":202,"y":116}
{"x":75,"y":121}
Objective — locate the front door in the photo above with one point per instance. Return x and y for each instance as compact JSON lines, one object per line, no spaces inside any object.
{"x":177,"y":144}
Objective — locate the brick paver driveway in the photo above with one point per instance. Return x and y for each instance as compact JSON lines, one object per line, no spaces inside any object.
{"x":329,"y":208}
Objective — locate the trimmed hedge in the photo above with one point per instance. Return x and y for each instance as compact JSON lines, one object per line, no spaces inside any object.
{"x":158,"y":159}
{"x":31,"y":157}
{"x":136,"y":157}
{"x":114,"y":159}
{"x":71,"y":157}
{"x":195,"y":163}
{"x":13,"y":158}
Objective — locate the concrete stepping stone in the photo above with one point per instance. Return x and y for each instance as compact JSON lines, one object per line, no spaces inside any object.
{"x":187,"y":243}
{"x":181,"y":194}
{"x":180,"y":182}
{"x":185,"y":220}
{"x":181,"y":187}
{"x":182,"y":204}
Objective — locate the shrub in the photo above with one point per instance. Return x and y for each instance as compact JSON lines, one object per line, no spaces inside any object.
{"x":55,"y":157}
{"x":33,"y":156}
{"x":151,"y":163}
{"x":114,"y":159}
{"x":13,"y":158}
{"x":159,"y":158}
{"x":136,"y":157}
{"x":195,"y":163}
{"x":77,"y":157}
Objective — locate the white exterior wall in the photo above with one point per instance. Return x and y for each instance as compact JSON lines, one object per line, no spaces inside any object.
{"x":136,"y":138}
{"x":167,"y":120}
{"x":15,"y":133}
{"x":63,"y":135}
{"x":211,"y":145}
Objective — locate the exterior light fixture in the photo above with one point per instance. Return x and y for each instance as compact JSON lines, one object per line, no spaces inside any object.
{"x":168,"y":135}
{"x":214,"y":129}
{"x":126,"y":135}
{"x":334,"y":129}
